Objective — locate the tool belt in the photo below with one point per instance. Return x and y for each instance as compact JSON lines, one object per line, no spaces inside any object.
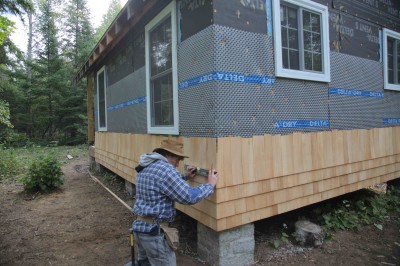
{"x":171,"y":234}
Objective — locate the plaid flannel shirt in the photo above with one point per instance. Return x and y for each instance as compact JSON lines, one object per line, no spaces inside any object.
{"x":158,"y":186}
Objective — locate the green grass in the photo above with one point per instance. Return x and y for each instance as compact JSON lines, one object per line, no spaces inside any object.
{"x":16,"y":161}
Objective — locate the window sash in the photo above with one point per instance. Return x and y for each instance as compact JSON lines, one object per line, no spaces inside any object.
{"x":161,"y":43}
{"x":393,"y":56}
{"x":301,"y":39}
{"x":304,"y":55}
{"x":162,"y":100}
{"x":161,"y":88}
{"x":161,"y":72}
{"x":391,"y":59}
{"x":101,"y":100}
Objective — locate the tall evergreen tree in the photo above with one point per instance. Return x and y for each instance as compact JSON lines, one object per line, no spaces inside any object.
{"x":78,"y":32}
{"x":77,"y":46}
{"x":38,"y":97}
{"x":9,"y":53}
{"x":48,"y":75}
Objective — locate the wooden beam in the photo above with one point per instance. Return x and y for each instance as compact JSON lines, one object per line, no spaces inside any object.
{"x":90,"y":109}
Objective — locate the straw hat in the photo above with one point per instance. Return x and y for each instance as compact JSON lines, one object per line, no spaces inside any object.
{"x":173,"y":147}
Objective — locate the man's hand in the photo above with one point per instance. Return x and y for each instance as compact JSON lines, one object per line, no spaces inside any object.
{"x":192,"y":172}
{"x":212,"y":176}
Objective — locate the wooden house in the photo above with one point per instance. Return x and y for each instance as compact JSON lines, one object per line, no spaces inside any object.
{"x":293,"y":101}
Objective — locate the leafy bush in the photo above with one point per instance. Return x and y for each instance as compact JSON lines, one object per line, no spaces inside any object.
{"x":367,"y":209}
{"x":9,"y":166}
{"x":11,"y":138}
{"x":283,"y":239}
{"x":44,"y":174}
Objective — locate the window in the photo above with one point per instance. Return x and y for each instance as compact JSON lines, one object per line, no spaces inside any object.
{"x":161,"y":73}
{"x":391,"y":59}
{"x":101,"y":99}
{"x":301,"y":40}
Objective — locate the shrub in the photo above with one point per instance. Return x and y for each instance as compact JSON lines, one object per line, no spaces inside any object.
{"x":44,"y":174}
{"x":11,"y":138}
{"x":9,"y":166}
{"x":368,"y":208}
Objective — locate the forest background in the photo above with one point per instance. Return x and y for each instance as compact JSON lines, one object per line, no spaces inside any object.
{"x":39,"y":103}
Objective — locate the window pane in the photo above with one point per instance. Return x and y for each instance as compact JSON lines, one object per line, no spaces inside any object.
{"x":390,"y":61}
{"x":308,"y":60}
{"x":294,"y":59}
{"x":284,"y":37}
{"x":167,"y":113}
{"x":317,"y":62}
{"x":315,"y":22}
{"x":162,"y":99}
{"x":312,"y":61}
{"x":292,"y":18}
{"x":390,"y":44}
{"x":102,"y":117}
{"x":156,"y":114}
{"x":307,"y":41}
{"x":312,"y":41}
{"x":317,"y":42}
{"x":160,"y":47}
{"x":285,"y":58}
{"x":290,"y":38}
{"x":163,"y":115}
{"x":397,"y":78}
{"x":390,"y":76}
{"x":283,"y":16}
{"x":293,"y":39}
{"x":307,"y":22}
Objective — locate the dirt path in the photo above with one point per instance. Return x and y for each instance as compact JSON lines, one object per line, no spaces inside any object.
{"x":82,"y":224}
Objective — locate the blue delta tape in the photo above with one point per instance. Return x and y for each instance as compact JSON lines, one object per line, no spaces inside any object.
{"x":226,"y":77}
{"x":302,"y":123}
{"x":212,"y":76}
{"x":127,"y":103}
{"x":391,"y":121}
{"x":348,"y":92}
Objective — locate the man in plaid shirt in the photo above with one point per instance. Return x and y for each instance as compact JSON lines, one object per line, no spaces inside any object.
{"x":158,"y":186}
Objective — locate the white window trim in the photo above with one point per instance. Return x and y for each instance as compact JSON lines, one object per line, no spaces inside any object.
{"x":105,"y":99}
{"x":173,"y":130}
{"x":386,"y":85}
{"x":298,"y":74}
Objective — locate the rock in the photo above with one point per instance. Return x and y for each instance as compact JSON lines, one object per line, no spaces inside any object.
{"x":309,"y":234}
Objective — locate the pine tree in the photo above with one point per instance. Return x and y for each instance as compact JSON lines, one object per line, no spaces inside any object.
{"x":48,"y":74}
{"x":9,"y":53}
{"x":78,"y":32}
{"x":76,"y":48}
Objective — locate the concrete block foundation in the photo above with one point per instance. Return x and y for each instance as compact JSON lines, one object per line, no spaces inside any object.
{"x":95,"y":166}
{"x":233,"y":247}
{"x":130,"y":188}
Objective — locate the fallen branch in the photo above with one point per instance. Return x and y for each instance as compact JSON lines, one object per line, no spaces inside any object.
{"x":13,"y":220}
